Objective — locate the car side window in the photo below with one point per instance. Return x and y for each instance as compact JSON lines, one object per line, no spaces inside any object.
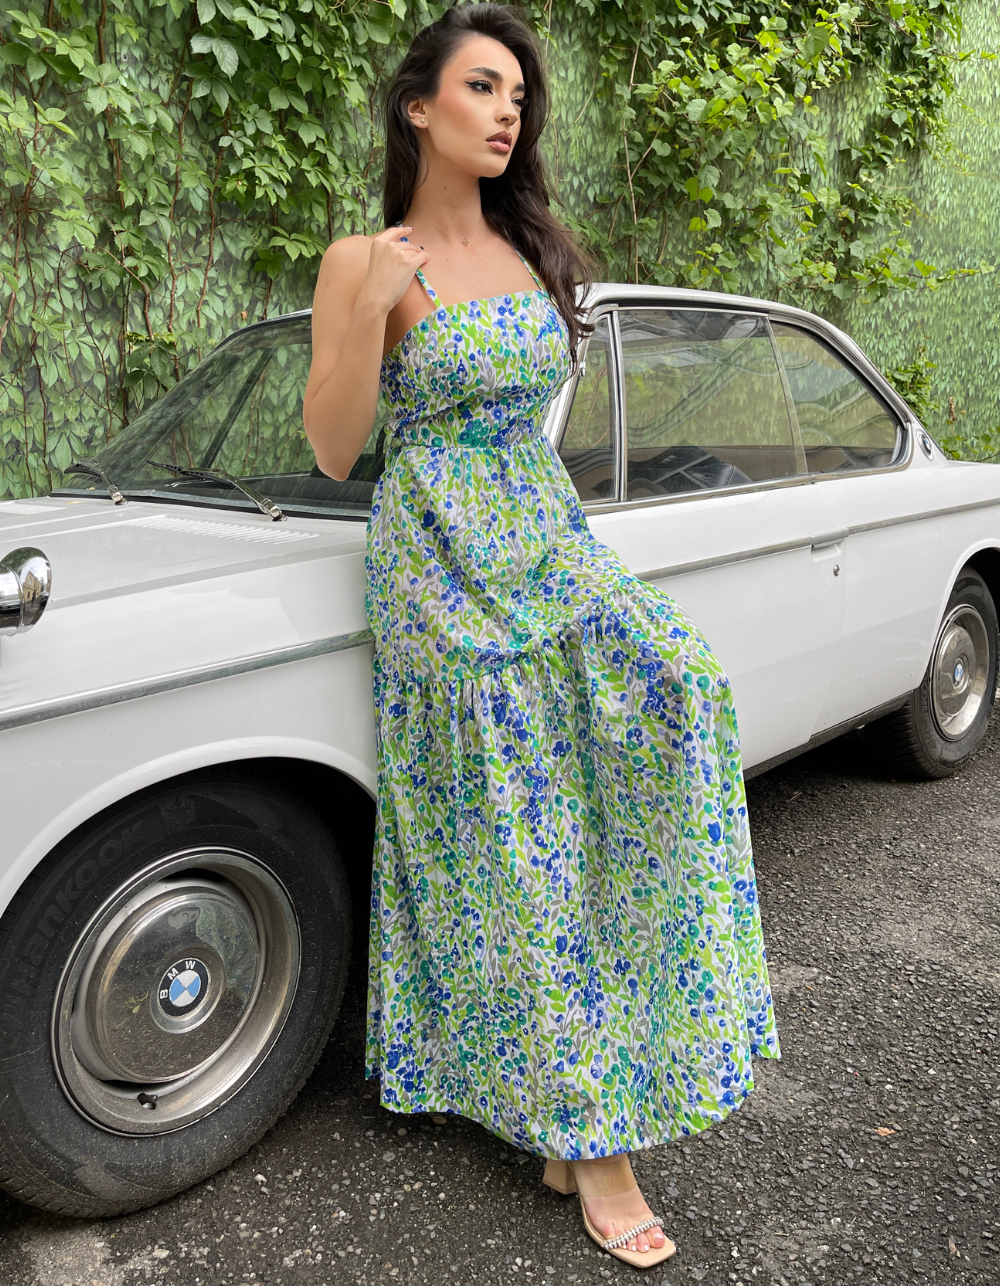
{"x":842,"y":426}
{"x":704,"y":402}
{"x":587,"y":448}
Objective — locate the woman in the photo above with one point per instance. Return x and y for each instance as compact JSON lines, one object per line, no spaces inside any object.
{"x":565,"y":937}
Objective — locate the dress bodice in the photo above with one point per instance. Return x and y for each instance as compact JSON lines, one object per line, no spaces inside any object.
{"x":476,"y":374}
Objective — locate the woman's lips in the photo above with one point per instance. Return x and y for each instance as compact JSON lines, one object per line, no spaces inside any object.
{"x":501,"y":142}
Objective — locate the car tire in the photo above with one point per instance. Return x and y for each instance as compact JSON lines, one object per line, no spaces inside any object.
{"x":945,"y":720}
{"x":172,"y":973}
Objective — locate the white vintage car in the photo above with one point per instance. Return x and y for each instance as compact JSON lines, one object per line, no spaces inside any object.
{"x":186,"y":729}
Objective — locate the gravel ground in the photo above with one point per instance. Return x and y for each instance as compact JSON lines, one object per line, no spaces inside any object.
{"x":869,"y":1153}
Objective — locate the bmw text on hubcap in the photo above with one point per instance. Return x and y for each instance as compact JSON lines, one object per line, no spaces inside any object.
{"x":959,"y":671}
{"x":176,"y":991}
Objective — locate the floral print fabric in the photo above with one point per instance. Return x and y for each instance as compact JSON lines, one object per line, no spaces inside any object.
{"x":566,"y":941}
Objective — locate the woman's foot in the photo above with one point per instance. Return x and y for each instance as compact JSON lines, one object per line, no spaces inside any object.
{"x":613,"y":1202}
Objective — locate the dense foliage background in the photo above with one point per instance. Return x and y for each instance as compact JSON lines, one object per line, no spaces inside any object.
{"x":170,"y":169}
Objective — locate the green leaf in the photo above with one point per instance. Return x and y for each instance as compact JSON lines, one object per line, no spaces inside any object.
{"x":206,"y":10}
{"x":380,"y":23}
{"x":226,"y":56}
{"x":15,"y":53}
{"x":309,"y":131}
{"x":97,"y":98}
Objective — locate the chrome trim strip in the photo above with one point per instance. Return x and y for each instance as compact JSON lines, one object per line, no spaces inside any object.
{"x":723,"y":560}
{"x":823,"y":541}
{"x":95,"y":698}
{"x":929,"y":513}
{"x":618,"y":401}
{"x":557,"y":425}
{"x":773,"y":484}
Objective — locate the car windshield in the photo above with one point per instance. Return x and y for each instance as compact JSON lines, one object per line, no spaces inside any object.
{"x":238,"y":411}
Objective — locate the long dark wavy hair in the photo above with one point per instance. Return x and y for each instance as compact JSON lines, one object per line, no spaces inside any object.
{"x":515,"y":205}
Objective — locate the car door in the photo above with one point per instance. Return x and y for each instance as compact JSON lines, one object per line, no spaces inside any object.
{"x":681,"y":443}
{"x":895,"y":570}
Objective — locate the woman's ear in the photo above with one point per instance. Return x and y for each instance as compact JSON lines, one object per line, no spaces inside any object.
{"x":417,"y":112}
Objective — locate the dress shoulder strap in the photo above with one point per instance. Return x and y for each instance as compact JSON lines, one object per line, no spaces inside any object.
{"x":534,"y":275}
{"x":431,"y":292}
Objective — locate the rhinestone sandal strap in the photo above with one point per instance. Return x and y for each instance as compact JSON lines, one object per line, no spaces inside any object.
{"x":624,"y":1238}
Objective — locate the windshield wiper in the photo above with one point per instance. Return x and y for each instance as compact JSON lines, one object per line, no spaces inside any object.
{"x":219,"y":475}
{"x":94,"y":470}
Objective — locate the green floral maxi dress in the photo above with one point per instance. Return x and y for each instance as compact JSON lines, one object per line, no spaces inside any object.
{"x":566,"y":942}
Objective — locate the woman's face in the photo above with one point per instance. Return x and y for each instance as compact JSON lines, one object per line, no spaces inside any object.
{"x":475,"y":117}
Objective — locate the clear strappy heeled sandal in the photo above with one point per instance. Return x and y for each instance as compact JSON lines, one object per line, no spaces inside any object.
{"x":561,"y":1176}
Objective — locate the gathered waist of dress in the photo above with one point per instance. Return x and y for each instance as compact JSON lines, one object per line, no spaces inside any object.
{"x":475,"y":434}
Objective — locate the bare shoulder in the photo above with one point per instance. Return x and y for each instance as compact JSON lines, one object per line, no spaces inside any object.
{"x":346,"y":259}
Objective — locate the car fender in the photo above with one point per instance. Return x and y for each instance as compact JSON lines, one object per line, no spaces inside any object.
{"x":988,"y":567}
{"x":316,"y":711}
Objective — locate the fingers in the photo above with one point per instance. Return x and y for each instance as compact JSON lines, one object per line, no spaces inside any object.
{"x":397,"y":237}
{"x":393,"y":234}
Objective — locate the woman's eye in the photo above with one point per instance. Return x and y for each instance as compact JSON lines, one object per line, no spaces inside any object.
{"x":481,"y":86}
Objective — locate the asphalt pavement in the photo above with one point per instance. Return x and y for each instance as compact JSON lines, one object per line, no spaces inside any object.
{"x":868,"y":1154}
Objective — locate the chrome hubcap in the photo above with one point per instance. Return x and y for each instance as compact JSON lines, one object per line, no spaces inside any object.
{"x":176,"y":991}
{"x":959,"y":671}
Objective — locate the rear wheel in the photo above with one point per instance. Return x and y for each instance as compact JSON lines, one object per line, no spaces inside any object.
{"x":944,"y":721}
{"x":172,"y":975}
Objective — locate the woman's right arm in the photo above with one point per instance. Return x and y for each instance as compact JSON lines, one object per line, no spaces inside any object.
{"x":361,"y":279}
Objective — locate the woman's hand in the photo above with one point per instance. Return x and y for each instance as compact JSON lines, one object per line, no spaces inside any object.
{"x":391,"y":264}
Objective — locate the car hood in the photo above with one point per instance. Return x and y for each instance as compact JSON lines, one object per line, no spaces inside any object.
{"x":144,"y":589}
{"x":97,"y":548}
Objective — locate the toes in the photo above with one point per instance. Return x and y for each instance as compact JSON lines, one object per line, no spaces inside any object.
{"x":641,"y":1244}
{"x":657,"y":1237}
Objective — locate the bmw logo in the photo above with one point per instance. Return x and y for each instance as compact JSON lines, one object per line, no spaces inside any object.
{"x":183,"y":987}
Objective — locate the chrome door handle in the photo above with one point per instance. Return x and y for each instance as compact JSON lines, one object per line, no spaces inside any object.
{"x":25,"y":586}
{"x":829,"y":538}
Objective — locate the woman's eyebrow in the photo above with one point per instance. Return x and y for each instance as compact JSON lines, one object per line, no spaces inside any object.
{"x":493,"y":74}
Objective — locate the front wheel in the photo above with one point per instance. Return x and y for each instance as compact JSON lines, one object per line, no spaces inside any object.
{"x":945,"y":720}
{"x":171,"y":976}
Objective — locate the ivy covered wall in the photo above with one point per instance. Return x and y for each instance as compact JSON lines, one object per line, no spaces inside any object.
{"x":951,"y":338}
{"x":170,"y":169}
